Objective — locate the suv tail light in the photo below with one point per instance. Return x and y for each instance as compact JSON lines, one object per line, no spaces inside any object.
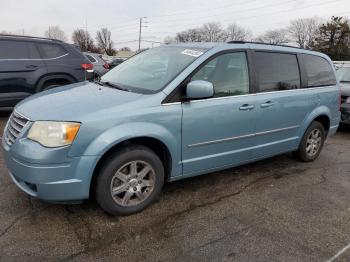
{"x":106,"y":66}
{"x":87,"y":66}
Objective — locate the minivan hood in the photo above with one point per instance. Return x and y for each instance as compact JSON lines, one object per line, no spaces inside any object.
{"x":345,"y":89}
{"x":73,"y":102}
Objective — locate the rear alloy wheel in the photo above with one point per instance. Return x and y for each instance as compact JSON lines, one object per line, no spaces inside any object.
{"x":311,"y":143}
{"x":129,"y":181}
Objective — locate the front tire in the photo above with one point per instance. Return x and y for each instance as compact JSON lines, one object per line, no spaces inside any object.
{"x":312,"y":143}
{"x":130,"y":180}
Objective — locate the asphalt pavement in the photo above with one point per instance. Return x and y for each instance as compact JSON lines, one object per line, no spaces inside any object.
{"x":278,"y":209}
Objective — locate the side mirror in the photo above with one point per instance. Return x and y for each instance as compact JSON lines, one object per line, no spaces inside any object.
{"x":199,"y":89}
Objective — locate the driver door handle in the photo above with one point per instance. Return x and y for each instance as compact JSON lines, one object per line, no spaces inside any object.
{"x":31,"y":66}
{"x":246,"y":107}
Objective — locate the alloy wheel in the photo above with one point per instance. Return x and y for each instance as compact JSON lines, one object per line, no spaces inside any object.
{"x":313,"y":142}
{"x":133,"y":183}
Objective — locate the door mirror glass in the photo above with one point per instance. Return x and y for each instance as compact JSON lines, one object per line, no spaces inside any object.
{"x":199,"y":89}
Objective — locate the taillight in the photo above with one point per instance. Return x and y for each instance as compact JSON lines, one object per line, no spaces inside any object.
{"x":87,"y":66}
{"x":339,"y":102}
{"x":106,"y":66}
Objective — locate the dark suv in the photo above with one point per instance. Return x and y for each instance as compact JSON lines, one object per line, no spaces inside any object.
{"x":29,"y":65}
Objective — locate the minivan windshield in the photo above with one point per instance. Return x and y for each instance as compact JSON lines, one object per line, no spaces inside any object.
{"x":343,"y":74}
{"x":151,"y":70}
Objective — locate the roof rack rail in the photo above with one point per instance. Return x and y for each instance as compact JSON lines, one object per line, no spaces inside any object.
{"x":262,"y":43}
{"x":31,"y":37}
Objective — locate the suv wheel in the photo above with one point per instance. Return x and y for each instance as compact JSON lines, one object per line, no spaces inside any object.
{"x":129,"y":181}
{"x":52,"y":84}
{"x":311,"y":143}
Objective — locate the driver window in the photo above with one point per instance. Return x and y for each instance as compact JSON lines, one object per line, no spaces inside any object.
{"x":228,"y":73}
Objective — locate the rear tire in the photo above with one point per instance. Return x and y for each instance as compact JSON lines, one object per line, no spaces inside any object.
{"x":312,"y":143}
{"x":129,"y":181}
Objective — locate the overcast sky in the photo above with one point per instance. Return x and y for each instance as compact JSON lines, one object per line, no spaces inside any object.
{"x":164,"y":17}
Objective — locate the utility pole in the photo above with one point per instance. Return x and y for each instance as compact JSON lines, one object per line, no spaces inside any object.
{"x":140,"y":30}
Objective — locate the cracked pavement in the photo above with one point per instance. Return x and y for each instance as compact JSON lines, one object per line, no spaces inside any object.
{"x":277,"y":209}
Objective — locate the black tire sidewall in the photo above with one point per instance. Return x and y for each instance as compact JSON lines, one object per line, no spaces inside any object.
{"x":112,"y":164}
{"x":302,"y":154}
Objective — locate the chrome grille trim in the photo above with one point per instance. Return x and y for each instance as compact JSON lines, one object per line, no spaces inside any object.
{"x":14,"y":127}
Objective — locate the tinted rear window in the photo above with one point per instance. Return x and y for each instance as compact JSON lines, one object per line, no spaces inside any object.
{"x":277,"y":71}
{"x":51,"y":50}
{"x":319,"y":71}
{"x":13,"y":50}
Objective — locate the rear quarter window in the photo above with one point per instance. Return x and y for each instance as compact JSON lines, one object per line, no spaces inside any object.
{"x":319,"y":71}
{"x":51,"y":50}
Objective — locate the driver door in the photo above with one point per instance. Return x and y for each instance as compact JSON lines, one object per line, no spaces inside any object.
{"x":219,"y":132}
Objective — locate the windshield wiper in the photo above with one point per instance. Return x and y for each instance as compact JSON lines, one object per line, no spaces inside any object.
{"x":344,"y":81}
{"x":109,"y":84}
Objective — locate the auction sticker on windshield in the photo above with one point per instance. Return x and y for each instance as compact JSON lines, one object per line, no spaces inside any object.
{"x":191,"y":52}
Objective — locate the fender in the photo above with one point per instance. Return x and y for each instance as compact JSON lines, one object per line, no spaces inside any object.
{"x":42,"y":80}
{"x":118,"y":134}
{"x":321,"y":110}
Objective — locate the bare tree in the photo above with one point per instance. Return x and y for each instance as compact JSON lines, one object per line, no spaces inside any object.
{"x":212,"y":32}
{"x":4,"y":32}
{"x":55,"y":32}
{"x":125,"y":48}
{"x":104,"y":41}
{"x":169,"y":40}
{"x":303,"y":31}
{"x":83,"y":40}
{"x":278,"y":36}
{"x":237,"y":33}
{"x":190,"y":35}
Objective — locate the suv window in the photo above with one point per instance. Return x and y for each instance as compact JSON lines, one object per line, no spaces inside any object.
{"x":33,"y":51}
{"x":228,"y":73}
{"x":51,"y":50}
{"x":277,"y":71}
{"x":319,"y":71}
{"x":91,"y":58}
{"x":13,"y":50}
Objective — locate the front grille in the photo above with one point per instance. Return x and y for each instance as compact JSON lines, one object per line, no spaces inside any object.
{"x":14,"y":127}
{"x":343,"y":99}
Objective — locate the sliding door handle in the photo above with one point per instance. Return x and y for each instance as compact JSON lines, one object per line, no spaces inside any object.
{"x":267,"y":104}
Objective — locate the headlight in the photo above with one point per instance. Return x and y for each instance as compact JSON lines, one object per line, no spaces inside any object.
{"x":53,"y":134}
{"x":347,"y":100}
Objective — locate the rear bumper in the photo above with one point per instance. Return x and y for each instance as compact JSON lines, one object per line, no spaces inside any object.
{"x":68,"y":181}
{"x":345,"y":113}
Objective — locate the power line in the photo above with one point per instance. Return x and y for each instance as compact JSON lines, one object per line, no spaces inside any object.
{"x":231,"y":13}
{"x":261,"y":15}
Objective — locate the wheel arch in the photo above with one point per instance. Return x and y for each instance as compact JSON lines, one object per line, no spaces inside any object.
{"x":322,"y":115}
{"x":56,"y":76}
{"x":154,"y":144}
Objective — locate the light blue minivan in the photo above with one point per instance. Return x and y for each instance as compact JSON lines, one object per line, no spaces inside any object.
{"x":168,"y":113}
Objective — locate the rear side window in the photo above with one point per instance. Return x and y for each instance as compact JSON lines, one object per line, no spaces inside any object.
{"x":277,"y":71}
{"x":319,"y":71}
{"x":13,"y":50}
{"x":51,"y":50}
{"x":33,"y":51}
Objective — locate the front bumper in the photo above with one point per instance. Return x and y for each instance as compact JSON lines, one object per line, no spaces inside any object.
{"x":345,"y":113}
{"x":45,"y":178}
